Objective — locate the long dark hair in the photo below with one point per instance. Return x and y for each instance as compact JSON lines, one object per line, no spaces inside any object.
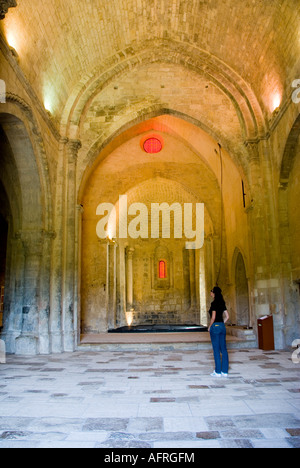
{"x":219,"y":299}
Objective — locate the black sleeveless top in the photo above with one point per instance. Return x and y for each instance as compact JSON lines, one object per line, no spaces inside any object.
{"x":219,"y":307}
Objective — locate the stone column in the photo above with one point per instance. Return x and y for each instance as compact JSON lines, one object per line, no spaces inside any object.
{"x":27,"y":342}
{"x":69,"y":335}
{"x":202,"y":287}
{"x":266,"y":293}
{"x":13,"y":301}
{"x":111,"y":284}
{"x":276,"y":283}
{"x":107,"y":277}
{"x":56,"y":280}
{"x":44,"y":305}
{"x":257,"y":215}
{"x":212,"y":261}
{"x":129,"y":278}
{"x":192,"y":279}
{"x":77,"y":277}
{"x":114,"y":304}
{"x":122,"y":317}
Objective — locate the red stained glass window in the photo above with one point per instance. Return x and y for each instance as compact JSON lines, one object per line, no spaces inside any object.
{"x":162,"y":270}
{"x":153,"y":146}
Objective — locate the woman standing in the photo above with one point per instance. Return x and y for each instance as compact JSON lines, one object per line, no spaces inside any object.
{"x":219,"y":316}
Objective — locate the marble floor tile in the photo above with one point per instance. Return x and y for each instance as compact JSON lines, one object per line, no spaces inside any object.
{"x":149,"y":399}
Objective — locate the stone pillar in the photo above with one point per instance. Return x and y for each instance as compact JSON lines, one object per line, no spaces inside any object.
{"x":114,"y":304}
{"x":192,"y":279}
{"x":27,"y":342}
{"x":111,"y":284}
{"x":122,"y":316}
{"x":44,"y":306}
{"x":107,"y":291}
{"x":69,"y":265}
{"x":56,"y":274}
{"x":129,"y":278}
{"x":212,"y":261}
{"x":276,"y":280}
{"x":266,"y":293}
{"x":257,"y":232}
{"x":77,"y":279}
{"x":202,"y":287}
{"x":13,"y":300}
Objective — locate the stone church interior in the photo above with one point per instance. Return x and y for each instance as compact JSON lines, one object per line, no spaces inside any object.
{"x":180,"y":102}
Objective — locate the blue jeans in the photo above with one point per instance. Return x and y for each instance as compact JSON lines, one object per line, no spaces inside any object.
{"x":218,"y":339}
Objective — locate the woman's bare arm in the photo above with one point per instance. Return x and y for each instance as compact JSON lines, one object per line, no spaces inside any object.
{"x":226,"y":316}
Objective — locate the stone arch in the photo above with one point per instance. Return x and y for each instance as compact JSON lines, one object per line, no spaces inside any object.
{"x":22,"y":174}
{"x":240,"y":280}
{"x":289,"y":229}
{"x":32,"y":134}
{"x":104,"y":145}
{"x":289,"y":153}
{"x":10,"y":183}
{"x":26,"y":173}
{"x":287,"y":185}
{"x":182,"y":54}
{"x":145,"y":188}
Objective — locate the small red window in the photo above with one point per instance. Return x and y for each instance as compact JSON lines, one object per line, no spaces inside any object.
{"x":153,"y":146}
{"x":162,"y":270}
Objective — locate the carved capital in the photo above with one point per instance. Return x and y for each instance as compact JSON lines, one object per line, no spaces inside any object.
{"x":73,"y":146}
{"x":5,"y":5}
{"x":80,"y":209}
{"x":253,"y":151}
{"x":129,"y":252}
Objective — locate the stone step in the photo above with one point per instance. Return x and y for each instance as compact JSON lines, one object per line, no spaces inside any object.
{"x":158,"y":342}
{"x":240,"y":332}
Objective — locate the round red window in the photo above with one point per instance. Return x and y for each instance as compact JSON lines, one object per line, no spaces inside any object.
{"x":153,"y":146}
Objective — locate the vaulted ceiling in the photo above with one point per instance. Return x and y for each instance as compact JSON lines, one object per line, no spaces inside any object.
{"x":251,"y":48}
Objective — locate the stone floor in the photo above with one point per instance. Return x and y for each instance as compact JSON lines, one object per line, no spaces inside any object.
{"x":150,"y":400}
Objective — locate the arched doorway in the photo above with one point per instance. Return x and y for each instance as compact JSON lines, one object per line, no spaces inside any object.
{"x":25,"y":326}
{"x":3,"y":252}
{"x":9,"y":203}
{"x":119,"y":274}
{"x":241,"y":292}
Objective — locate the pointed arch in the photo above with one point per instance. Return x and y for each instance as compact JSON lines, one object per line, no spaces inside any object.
{"x":170,"y":52}
{"x":241,"y":287}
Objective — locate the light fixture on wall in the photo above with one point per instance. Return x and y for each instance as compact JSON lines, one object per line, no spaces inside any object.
{"x":11,"y":38}
{"x":12,"y":44}
{"x":276,"y":101}
{"x":14,"y":53}
{"x":129,"y":317}
{"x":47,"y":105}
